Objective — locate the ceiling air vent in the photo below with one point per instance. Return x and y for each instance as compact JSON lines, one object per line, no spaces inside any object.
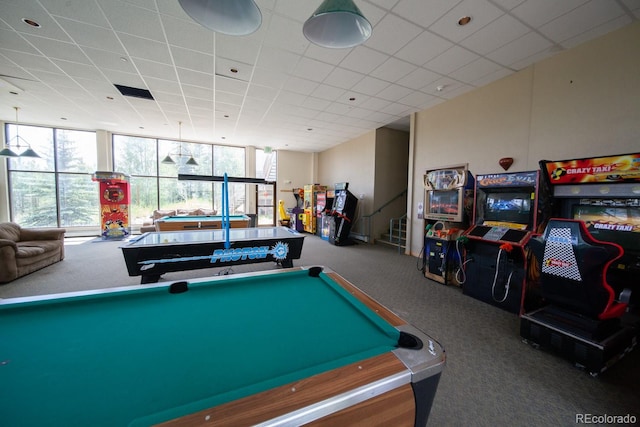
{"x":134,"y":92}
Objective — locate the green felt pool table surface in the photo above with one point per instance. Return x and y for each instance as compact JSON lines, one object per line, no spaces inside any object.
{"x":143,"y":355}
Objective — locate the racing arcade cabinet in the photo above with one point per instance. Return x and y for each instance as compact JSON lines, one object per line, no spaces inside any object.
{"x":504,"y":218}
{"x":447,"y":208}
{"x":589,"y":259}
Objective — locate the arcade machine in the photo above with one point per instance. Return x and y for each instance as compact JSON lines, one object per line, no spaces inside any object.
{"x":506,"y":214}
{"x":343,"y":213}
{"x":297,"y":213}
{"x":115,"y":199}
{"x":448,"y":204}
{"x":309,"y":218}
{"x":324,"y":215}
{"x":589,"y":261}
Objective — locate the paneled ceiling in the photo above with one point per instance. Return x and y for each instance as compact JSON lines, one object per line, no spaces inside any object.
{"x":273,"y":87}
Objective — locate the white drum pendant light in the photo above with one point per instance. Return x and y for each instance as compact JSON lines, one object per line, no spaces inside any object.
{"x":337,"y":24}
{"x":232,"y":17}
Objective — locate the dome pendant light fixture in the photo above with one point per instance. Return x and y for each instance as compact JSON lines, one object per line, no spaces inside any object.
{"x":337,"y":24}
{"x":231,"y":17}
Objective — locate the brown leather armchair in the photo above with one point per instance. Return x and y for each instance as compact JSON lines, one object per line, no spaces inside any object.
{"x":25,"y":250}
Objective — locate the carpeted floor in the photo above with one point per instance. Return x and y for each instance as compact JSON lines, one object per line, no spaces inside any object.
{"x":491,"y":377}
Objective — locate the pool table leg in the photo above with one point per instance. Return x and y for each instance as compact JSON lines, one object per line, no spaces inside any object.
{"x":287,"y":263}
{"x":149,"y":278}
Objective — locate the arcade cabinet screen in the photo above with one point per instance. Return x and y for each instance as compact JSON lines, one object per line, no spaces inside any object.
{"x":444,"y":202}
{"x":617,"y":224}
{"x":508,"y":207}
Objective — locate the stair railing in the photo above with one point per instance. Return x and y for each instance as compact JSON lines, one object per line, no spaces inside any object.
{"x":397,"y":240}
{"x":365,"y":220}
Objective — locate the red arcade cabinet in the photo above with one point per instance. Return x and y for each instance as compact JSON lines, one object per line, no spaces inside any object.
{"x":115,"y":199}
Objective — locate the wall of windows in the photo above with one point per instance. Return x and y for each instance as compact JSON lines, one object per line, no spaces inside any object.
{"x":266,"y":167}
{"x":155,"y":185}
{"x":56,"y":189}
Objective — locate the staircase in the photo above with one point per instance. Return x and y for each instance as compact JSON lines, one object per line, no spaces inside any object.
{"x":397,"y":235}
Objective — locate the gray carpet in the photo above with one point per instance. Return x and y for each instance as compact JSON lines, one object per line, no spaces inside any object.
{"x":491,"y":378}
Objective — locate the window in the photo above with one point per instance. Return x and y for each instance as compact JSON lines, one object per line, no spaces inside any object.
{"x":54,"y":190}
{"x":266,"y":167}
{"x":155,"y":185}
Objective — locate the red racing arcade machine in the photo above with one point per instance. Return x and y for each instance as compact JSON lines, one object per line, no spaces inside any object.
{"x":115,"y":199}
{"x":592,"y":317}
{"x":506,"y":213}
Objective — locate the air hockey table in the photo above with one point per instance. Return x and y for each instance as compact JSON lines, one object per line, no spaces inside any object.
{"x":155,"y":253}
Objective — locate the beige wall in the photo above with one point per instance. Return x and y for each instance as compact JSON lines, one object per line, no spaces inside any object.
{"x":352,"y":162}
{"x":295,"y":169}
{"x":580,"y":103}
{"x":391,"y":172}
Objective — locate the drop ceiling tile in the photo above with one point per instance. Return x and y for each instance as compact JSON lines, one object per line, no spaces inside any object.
{"x":262,"y":92}
{"x":92,"y":36}
{"x":423,"y":48}
{"x":363,"y":60}
{"x":327,"y":92}
{"x":272,"y":58}
{"x":598,"y":31}
{"x":329,"y":56}
{"x":527,"y":45}
{"x":451,"y":60}
{"x":491,"y":77}
{"x":316,"y":103}
{"x":501,"y":31}
{"x":226,"y":84}
{"x":74,"y":69}
{"x":127,"y":18}
{"x":299,"y":85}
{"x":167,"y":86}
{"x":154,"y":69}
{"x":30,"y":62}
{"x":375,"y":104}
{"x":194,"y":78}
{"x":228,"y":98}
{"x":345,"y":79}
{"x":370,"y":86}
{"x":392,"y":33}
{"x":240,"y":49}
{"x":106,"y":60}
{"x":423,"y":12}
{"x":481,"y":12}
{"x":125,"y":79}
{"x":197,"y":92}
{"x":393,"y":70}
{"x":286,"y":34}
{"x":57,"y":49}
{"x":394,"y":92}
{"x":192,"y":60}
{"x":138,"y":47}
{"x":232,"y":69}
{"x":508,"y":4}
{"x":13,"y":41}
{"x":418,"y":78}
{"x":188,"y":34}
{"x":312,"y":70}
{"x":579,"y":20}
{"x":539,"y":12}
{"x":475,"y":70}
{"x":13,"y":15}
{"x":416,"y":99}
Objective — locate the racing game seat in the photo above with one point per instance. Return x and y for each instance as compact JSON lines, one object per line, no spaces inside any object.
{"x":573,"y":270}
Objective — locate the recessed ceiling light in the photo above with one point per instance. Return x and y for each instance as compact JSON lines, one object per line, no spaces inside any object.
{"x":464,"y":20}
{"x":141,"y":127}
{"x":352,"y":99}
{"x":31,"y":22}
{"x":226,"y":116}
{"x":233,"y":70}
{"x":123,"y":59}
{"x":63,"y":118}
{"x":309,"y":129}
{"x":110,"y":98}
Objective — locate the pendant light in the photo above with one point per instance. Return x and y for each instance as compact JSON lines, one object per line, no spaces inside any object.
{"x":337,"y":24}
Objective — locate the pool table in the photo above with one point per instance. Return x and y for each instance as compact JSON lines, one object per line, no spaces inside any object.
{"x":281,"y":347}
{"x":155,"y":253}
{"x":199,"y":222}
